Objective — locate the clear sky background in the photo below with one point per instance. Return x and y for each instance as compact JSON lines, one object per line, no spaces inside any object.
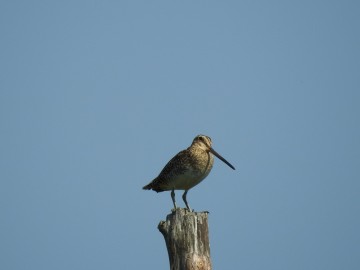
{"x":96,"y":97}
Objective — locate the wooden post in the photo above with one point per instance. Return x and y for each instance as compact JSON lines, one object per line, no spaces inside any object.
{"x":187,"y":240}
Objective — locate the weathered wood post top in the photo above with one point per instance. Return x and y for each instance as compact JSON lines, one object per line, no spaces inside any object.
{"x":187,"y":239}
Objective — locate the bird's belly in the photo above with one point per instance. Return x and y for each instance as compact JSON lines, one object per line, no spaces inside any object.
{"x":188,"y":180}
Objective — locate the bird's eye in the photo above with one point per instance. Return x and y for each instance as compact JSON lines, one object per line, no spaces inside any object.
{"x":201,"y":138}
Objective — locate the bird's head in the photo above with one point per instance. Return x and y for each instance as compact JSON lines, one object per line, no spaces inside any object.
{"x":204,"y":142}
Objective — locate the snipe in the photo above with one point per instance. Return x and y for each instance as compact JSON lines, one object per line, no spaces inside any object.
{"x":187,"y":169}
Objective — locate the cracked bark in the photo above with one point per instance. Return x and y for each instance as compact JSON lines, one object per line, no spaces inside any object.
{"x":186,"y":236}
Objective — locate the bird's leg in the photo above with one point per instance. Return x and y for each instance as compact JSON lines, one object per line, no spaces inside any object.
{"x":173,"y":198}
{"x":184,"y":199}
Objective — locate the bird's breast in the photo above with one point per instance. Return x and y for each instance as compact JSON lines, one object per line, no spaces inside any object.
{"x":196,"y":170}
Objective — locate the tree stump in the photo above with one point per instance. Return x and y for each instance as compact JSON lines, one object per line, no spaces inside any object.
{"x":187,"y":240}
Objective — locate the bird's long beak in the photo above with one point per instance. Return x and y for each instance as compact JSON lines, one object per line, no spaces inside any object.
{"x":221,"y":158}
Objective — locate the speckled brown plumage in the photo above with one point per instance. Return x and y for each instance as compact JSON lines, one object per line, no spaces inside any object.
{"x":187,"y":169}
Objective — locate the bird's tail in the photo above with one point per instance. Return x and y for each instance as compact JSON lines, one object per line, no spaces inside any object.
{"x":147,"y":187}
{"x":154,"y":185}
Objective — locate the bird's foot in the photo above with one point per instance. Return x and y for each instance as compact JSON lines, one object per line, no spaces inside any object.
{"x":174,"y":209}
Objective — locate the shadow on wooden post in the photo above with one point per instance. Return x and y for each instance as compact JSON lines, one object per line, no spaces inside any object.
{"x":187,"y":240}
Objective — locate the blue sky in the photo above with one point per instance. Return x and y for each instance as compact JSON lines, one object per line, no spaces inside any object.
{"x":96,"y":97}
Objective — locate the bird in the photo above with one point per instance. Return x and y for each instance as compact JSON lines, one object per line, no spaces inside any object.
{"x":187,"y":169}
